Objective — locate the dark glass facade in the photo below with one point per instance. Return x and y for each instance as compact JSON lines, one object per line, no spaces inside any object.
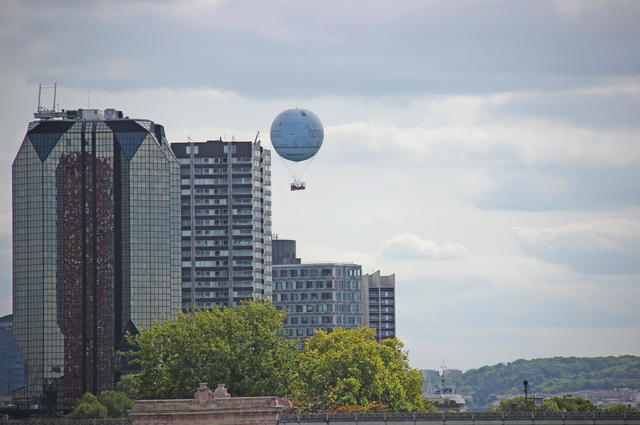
{"x":12,"y":371}
{"x":95,"y":248}
{"x":226,"y":222}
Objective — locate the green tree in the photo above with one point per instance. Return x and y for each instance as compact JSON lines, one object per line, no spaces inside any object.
{"x":621,"y":408}
{"x":349,"y":368}
{"x":553,"y":404}
{"x":515,"y":404}
{"x":573,"y":404}
{"x":242,"y":347}
{"x":88,"y":407}
{"x":117,"y":403}
{"x":129,"y":384}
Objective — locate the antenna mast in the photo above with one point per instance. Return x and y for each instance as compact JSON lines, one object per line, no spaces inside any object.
{"x":43,"y":112}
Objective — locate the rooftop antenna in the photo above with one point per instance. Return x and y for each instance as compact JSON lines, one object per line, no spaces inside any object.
{"x":256,"y":139}
{"x":49,"y":87}
{"x":43,"y":112}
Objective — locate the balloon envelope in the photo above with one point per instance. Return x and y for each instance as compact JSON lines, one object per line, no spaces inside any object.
{"x":296,"y":134}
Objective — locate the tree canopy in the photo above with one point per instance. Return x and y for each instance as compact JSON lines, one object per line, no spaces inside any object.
{"x":117,"y":403}
{"x":240,"y":347}
{"x":88,"y":407}
{"x":553,"y":404}
{"x":349,"y":368}
{"x":110,"y":404}
{"x":246,"y":349}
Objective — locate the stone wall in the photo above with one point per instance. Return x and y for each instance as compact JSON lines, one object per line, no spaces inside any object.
{"x":269,"y":413}
{"x":123,"y":421}
{"x":210,"y":408}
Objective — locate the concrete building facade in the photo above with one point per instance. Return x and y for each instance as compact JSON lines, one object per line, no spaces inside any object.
{"x":96,"y":246}
{"x":226,"y":222}
{"x":380,"y":304}
{"x":317,"y":295}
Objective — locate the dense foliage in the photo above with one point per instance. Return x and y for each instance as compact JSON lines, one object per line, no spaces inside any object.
{"x":245,"y":348}
{"x":550,"y":375}
{"x":349,"y":368}
{"x":117,"y":403}
{"x":553,"y":404}
{"x":110,"y":404}
{"x":88,"y":407}
{"x":558,"y":404}
{"x":621,"y":408}
{"x":128,"y":384}
{"x":240,"y":347}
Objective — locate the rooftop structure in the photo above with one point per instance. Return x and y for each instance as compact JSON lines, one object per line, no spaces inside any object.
{"x":284,"y":251}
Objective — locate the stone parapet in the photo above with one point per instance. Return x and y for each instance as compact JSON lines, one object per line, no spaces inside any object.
{"x":466,"y":418}
{"x":210,"y":408}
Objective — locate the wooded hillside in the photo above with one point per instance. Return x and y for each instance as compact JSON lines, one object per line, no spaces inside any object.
{"x":549,"y":375}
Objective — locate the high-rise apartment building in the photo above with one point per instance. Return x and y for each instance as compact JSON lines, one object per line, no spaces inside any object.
{"x":317,"y":295}
{"x":96,"y":246}
{"x":226,"y":222}
{"x":379,"y":293}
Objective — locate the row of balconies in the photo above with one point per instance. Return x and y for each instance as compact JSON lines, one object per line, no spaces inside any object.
{"x":375,"y":301}
{"x":217,"y":160}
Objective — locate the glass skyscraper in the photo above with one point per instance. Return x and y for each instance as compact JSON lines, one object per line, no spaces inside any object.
{"x":96,"y":247}
{"x":226,"y":222}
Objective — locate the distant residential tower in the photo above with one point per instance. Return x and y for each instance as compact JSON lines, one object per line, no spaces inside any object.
{"x":380,"y":306}
{"x":317,"y":295}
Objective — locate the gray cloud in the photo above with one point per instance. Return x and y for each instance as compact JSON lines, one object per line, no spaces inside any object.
{"x":535,"y":187}
{"x":609,"y":246}
{"x":478,"y":306}
{"x":284,"y":48}
{"x":590,"y":110}
{"x":408,"y":247}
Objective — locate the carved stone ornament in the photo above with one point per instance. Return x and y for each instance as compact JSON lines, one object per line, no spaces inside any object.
{"x":221,"y":392}
{"x":204,"y":394}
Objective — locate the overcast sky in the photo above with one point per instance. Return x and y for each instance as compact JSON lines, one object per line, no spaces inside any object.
{"x":486,"y":152}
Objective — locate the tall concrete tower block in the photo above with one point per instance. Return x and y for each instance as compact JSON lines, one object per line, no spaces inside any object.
{"x":226,"y":222}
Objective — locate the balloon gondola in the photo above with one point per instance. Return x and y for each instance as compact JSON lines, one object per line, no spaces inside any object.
{"x":296,"y":135}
